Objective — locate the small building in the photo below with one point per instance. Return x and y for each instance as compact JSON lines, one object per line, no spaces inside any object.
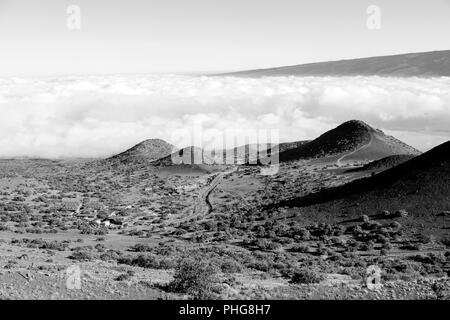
{"x":112,"y":214}
{"x":112,"y":222}
{"x":70,"y":207}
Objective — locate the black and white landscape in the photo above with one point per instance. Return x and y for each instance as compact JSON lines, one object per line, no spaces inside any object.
{"x":328,"y":179}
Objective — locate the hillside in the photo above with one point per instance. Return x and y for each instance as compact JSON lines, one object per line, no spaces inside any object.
{"x":383,"y":164}
{"x":284,"y":146}
{"x":188,"y":156}
{"x":421,"y":185}
{"x":146,"y":151}
{"x":187,"y":161}
{"x":243,"y":154}
{"x":352,"y":140}
{"x":425,"y":64}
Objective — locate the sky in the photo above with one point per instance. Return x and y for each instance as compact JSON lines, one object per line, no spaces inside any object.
{"x":179,"y":36}
{"x":133,"y":71}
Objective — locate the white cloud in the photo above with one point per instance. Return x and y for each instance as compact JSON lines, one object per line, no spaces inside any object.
{"x":99,"y":116}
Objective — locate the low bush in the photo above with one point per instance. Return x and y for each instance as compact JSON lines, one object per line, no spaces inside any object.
{"x":81,"y":255}
{"x":148,"y":261}
{"x":195,"y":277}
{"x":231,"y":266}
{"x":305,"y":276}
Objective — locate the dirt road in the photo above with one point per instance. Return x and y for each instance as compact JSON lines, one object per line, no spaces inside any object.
{"x":204,"y":206}
{"x":338,"y":161}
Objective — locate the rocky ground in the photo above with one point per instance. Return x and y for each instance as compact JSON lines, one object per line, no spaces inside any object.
{"x":216,"y":221}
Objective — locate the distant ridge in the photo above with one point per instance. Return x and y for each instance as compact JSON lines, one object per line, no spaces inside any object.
{"x":355,"y":140}
{"x":240,"y":155}
{"x":189,"y":155}
{"x":424,"y":64}
{"x":249,"y":153}
{"x":189,"y":160}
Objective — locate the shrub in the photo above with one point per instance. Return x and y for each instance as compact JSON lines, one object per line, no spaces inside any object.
{"x":125,"y":276}
{"x":259,"y":265}
{"x":303,"y":234}
{"x":231,"y":266}
{"x":110,"y":255}
{"x":100,"y":247}
{"x":395,"y":225}
{"x":139,"y":247}
{"x":367,"y":246}
{"x":446,"y":242}
{"x":194,"y":277}
{"x":339,"y":230}
{"x":144,"y":261}
{"x":81,"y":255}
{"x":264,"y":244}
{"x":401,"y":213}
{"x":355,"y":230}
{"x":306,"y":276}
{"x":41,"y":244}
{"x":441,"y":291}
{"x":55,"y":245}
{"x":149,"y":261}
{"x":411,"y":246}
{"x":337,"y":241}
{"x":302,"y":248}
{"x":371,"y":225}
{"x":4,"y":227}
{"x":381,"y":238}
{"x":33,"y":230}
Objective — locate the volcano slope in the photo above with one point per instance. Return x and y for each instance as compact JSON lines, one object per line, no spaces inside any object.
{"x":189,"y":160}
{"x":421,"y":186}
{"x":312,"y":166}
{"x":144,"y":152}
{"x":352,"y":140}
{"x":383,"y":164}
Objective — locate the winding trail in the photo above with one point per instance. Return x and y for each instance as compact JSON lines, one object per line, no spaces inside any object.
{"x":338,"y":161}
{"x":204,"y":196}
{"x":203,"y":207}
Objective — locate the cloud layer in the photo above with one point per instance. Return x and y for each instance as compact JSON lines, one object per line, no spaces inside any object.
{"x":100,"y":116}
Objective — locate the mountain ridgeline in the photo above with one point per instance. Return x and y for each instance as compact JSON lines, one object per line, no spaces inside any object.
{"x":424,"y":64}
{"x":353,"y":139}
